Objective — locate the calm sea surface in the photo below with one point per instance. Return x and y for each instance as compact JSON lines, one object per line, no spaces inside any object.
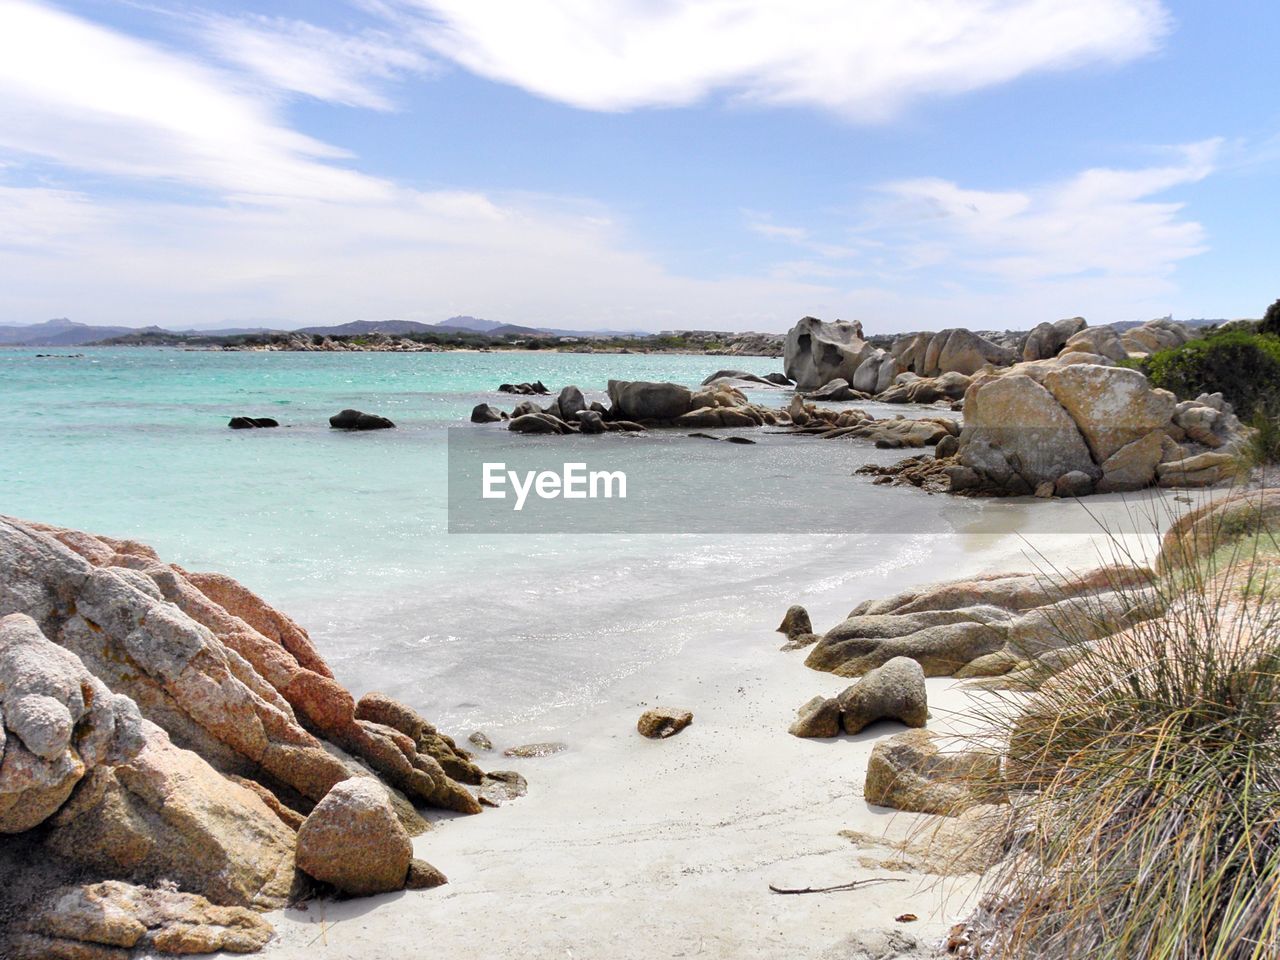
{"x":347,"y":532}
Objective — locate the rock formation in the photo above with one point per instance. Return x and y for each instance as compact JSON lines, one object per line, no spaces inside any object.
{"x":357,"y":420}
{"x":815,"y":353}
{"x":158,"y":724}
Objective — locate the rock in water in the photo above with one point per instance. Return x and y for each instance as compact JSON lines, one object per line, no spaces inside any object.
{"x":815,"y":353}
{"x":529,"y":750}
{"x":481,"y":740}
{"x":795,"y":622}
{"x":250,"y":423}
{"x":353,"y":840}
{"x":662,"y":722}
{"x":895,"y":691}
{"x":356,"y":420}
{"x":483,"y":413}
{"x":646,"y":400}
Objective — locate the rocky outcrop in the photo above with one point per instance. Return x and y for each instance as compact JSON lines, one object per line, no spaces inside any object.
{"x":659,"y":723}
{"x":358,"y":420}
{"x":1048,"y":339}
{"x":158,"y":724}
{"x":912,"y":772}
{"x":110,"y":920}
{"x":954,"y":350}
{"x":909,"y":388}
{"x":165,"y":814}
{"x":987,"y":626}
{"x":353,"y":840}
{"x":1043,"y":422}
{"x":816,"y":353}
{"x":1154,"y":336}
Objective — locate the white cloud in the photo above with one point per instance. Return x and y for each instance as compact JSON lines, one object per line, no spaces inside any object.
{"x":1101,"y":221}
{"x":865,"y":59}
{"x":935,"y":253}
{"x":92,"y":99}
{"x":302,"y":58}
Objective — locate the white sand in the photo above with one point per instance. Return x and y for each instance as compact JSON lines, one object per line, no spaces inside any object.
{"x":628,"y":848}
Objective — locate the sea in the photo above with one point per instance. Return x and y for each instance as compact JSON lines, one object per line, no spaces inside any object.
{"x":349,"y":533}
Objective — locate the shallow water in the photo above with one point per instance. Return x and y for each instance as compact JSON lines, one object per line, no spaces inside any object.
{"x":348,"y":532}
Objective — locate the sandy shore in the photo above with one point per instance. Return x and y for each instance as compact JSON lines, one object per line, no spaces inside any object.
{"x":627,"y":848}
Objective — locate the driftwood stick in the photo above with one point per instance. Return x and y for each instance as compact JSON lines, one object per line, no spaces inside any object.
{"x":851,"y":885}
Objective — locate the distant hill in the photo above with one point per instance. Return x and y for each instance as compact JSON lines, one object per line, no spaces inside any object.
{"x":358,"y":328}
{"x":474,"y":324}
{"x":57,"y":333}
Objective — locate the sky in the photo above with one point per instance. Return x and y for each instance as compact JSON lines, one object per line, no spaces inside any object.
{"x":638,"y":164}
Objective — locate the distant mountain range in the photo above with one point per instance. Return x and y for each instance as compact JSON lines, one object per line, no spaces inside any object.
{"x":67,"y":333}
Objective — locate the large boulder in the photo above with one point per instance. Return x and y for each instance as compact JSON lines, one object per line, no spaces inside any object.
{"x":1154,"y":336}
{"x":952,"y":350}
{"x":1017,"y":435}
{"x":913,"y":772}
{"x":646,"y":400}
{"x":1048,"y":339}
{"x":353,"y":840}
{"x":1096,"y":341}
{"x":1111,"y":406}
{"x":876,"y":373}
{"x":816,"y":353}
{"x":894,"y":691}
{"x":165,"y":814}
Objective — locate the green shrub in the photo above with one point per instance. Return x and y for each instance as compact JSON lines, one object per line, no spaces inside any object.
{"x":1243,"y":367}
{"x":1271,"y":319}
{"x":1145,"y":782}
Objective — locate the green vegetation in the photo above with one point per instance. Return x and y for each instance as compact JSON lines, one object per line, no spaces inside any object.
{"x":1271,"y":320}
{"x":1145,"y":780}
{"x":1244,"y":367}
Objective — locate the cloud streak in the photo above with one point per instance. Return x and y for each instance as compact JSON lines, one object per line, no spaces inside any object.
{"x":866,"y":60}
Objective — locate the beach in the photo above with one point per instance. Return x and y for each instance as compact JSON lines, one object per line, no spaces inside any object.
{"x":629,"y":848}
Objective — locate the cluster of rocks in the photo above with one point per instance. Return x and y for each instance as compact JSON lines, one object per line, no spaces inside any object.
{"x":343,"y":420}
{"x":314,"y":343}
{"x":985,"y":626}
{"x":535,"y":389}
{"x":159,"y":726}
{"x":635,"y":405}
{"x":1056,"y":417}
{"x":855,"y":423}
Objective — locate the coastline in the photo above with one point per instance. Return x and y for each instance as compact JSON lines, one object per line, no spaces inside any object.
{"x":626,"y":847}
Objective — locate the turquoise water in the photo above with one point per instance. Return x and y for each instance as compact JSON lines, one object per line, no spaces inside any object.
{"x":347,"y":532}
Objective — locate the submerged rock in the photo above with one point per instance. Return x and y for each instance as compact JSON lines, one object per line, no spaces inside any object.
{"x":251,"y":423}
{"x":535,"y":750}
{"x":499,"y":786}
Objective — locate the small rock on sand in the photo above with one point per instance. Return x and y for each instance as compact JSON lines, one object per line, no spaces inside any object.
{"x":662,"y":722}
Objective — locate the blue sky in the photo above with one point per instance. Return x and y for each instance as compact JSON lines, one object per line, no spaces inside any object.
{"x":731,"y":164}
